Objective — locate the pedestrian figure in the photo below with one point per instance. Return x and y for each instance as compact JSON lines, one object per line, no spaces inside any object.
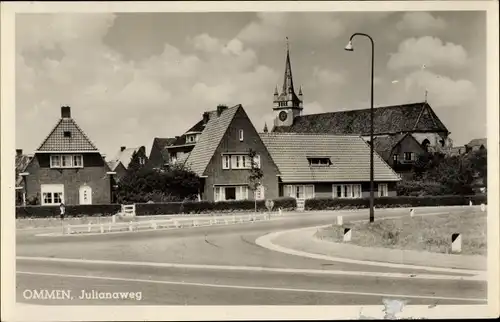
{"x":62,"y":208}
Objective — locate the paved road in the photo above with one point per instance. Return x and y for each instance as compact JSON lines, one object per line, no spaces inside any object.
{"x":187,"y":276}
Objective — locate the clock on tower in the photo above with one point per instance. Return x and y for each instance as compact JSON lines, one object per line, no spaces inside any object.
{"x":283,"y":116}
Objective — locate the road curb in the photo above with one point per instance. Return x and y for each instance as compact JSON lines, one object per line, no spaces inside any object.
{"x":267,"y":241}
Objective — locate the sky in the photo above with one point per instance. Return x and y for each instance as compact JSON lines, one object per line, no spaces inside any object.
{"x":131,"y":77}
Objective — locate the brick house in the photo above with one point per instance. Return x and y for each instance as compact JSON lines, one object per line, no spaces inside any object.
{"x":391,"y":123}
{"x":220,"y":157}
{"x":120,"y":162}
{"x":169,"y":151}
{"x":68,"y":168}
{"x":327,"y":166}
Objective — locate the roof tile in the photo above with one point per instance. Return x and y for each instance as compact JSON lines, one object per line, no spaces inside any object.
{"x":350,"y":156}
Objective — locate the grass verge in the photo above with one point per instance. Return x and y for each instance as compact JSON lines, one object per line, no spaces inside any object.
{"x":422,"y":233}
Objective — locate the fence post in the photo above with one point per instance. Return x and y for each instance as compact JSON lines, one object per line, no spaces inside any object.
{"x":470,"y":202}
{"x":102,"y":228}
{"x":347,"y":234}
{"x":456,"y":243}
{"x":412,"y":212}
{"x":279,"y":211}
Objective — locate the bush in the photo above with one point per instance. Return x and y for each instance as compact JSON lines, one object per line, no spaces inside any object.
{"x":71,"y":211}
{"x":393,"y":202}
{"x":419,"y":188}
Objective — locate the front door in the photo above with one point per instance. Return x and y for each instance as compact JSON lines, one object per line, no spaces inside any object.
{"x":85,"y":195}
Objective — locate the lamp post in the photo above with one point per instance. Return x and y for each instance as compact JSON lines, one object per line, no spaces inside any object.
{"x":372,"y":190}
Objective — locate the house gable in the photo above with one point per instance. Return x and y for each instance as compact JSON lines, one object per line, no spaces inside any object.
{"x":67,"y":136}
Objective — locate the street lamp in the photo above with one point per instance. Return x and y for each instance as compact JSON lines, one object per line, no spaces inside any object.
{"x":349,"y":47}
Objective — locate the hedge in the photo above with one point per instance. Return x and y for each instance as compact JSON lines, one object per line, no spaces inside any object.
{"x":393,"y":202}
{"x":149,"y":209}
{"x":71,"y":211}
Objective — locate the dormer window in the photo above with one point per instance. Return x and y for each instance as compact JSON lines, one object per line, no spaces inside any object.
{"x":319,"y":161}
{"x":67,"y":134}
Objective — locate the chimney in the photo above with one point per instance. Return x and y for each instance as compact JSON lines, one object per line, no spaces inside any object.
{"x":122,"y":148}
{"x":66,"y":112}
{"x":206,"y":117}
{"x":220,"y":109}
{"x":19,"y":152}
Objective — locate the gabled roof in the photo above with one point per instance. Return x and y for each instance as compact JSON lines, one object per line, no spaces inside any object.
{"x":350,"y":157}
{"x":384,"y":144}
{"x":161,"y":144}
{"x":387,"y":120}
{"x":124,"y":157}
{"x":209,"y":140}
{"x":56,"y":141}
{"x":477,"y":142}
{"x":197,"y":128}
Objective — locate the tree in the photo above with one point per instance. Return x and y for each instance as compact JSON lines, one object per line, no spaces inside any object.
{"x":172,"y":184}
{"x":255,"y":175}
{"x":135,"y":163}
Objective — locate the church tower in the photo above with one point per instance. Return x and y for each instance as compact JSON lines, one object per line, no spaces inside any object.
{"x":287,"y":105}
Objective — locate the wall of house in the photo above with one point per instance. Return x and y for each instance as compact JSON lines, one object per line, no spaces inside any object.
{"x":433,"y":137}
{"x":408,"y":144}
{"x":231,"y":143}
{"x":120,"y":170}
{"x":325,"y":189}
{"x":93,"y":174}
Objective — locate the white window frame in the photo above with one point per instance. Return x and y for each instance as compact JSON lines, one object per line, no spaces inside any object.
{"x":347,"y":191}
{"x":239,"y":161}
{"x":383,"y":189}
{"x":226,"y":162}
{"x":241,"y":192}
{"x":290,"y":190}
{"x":75,"y":157}
{"x":51,"y":190}
{"x":67,"y":157}
{"x":190,"y":138}
{"x":240,"y":135}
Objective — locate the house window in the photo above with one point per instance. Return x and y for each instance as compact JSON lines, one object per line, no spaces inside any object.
{"x":239,"y":161}
{"x":142,"y":160}
{"x":383,"y":190}
{"x":299,"y":191}
{"x":78,"y":161}
{"x":230,"y":193}
{"x":319,"y":162}
{"x":347,"y":191}
{"x":409,"y":156}
{"x":66,"y":161}
{"x":67,"y":134}
{"x":395,"y":157}
{"x":240,"y":134}
{"x":226,"y":159}
{"x":191,"y":138}
{"x":52,"y":194}
{"x":55,"y":161}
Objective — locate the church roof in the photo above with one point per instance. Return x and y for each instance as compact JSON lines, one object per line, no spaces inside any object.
{"x":415,"y":117}
{"x":59,"y":140}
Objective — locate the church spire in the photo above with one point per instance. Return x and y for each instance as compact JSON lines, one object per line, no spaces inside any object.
{"x":288,"y":79}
